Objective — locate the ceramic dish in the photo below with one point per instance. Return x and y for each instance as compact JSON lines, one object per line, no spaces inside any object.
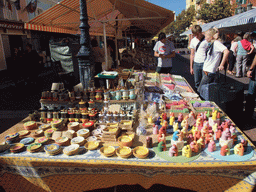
{"x":88,"y":125}
{"x":140,"y":152}
{"x":71,"y":150}
{"x":27,"y":140}
{"x":42,"y":140}
{"x":16,"y":148}
{"x":107,"y":151}
{"x":110,"y":130}
{"x":91,"y":145}
{"x":30,"y":125}
{"x":83,"y":133}
{"x":38,"y":133}
{"x":124,"y":152}
{"x":125,"y":140}
{"x":23,"y":133}
{"x":45,"y":126}
{"x":62,"y":141}
{"x":34,"y":147}
{"x":52,"y":149}
{"x":78,"y":140}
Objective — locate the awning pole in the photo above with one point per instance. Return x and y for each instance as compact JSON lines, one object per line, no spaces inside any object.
{"x":105,"y":43}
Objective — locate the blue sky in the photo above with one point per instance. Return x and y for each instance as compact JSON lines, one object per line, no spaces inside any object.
{"x":173,"y":5}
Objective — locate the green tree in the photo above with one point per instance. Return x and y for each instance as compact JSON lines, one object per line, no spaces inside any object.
{"x":218,"y":10}
{"x":183,"y":21}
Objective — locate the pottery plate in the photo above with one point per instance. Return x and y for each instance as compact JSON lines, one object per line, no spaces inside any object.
{"x":124,"y":152}
{"x":140,"y":152}
{"x":107,"y":151}
{"x":91,"y":145}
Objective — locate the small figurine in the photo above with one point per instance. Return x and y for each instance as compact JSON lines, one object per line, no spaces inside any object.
{"x":185,"y":130}
{"x":218,"y":134}
{"x":194,"y":129}
{"x":226,"y":135}
{"x":175,"y":127}
{"x":197,"y":135}
{"x":181,"y":136}
{"x":215,"y":127}
{"x":155,"y":129}
{"x":190,"y":138}
{"x":212,"y":146}
{"x":158,"y":121}
{"x":164,"y":116}
{"x":204,"y":131}
{"x":194,"y":146}
{"x":183,"y":122}
{"x":239,"y":149}
{"x":225,"y":150}
{"x":208,"y":138}
{"x":200,"y":142}
{"x":205,"y":115}
{"x":150,"y":120}
{"x":180,"y":117}
{"x":199,"y":122}
{"x":149,"y":142}
{"x":173,"y":151}
{"x":186,"y":151}
{"x":162,"y":130}
{"x":175,"y":136}
{"x":214,"y":115}
{"x":171,"y":120}
{"x":245,"y":144}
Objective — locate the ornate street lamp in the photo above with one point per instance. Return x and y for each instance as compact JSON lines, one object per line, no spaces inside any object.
{"x":83,"y":56}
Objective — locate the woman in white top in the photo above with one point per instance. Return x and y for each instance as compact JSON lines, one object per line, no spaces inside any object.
{"x":198,"y":47}
{"x":214,"y":59}
{"x":232,"y":55}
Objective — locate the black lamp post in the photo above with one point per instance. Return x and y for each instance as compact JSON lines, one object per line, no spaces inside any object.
{"x":84,"y":59}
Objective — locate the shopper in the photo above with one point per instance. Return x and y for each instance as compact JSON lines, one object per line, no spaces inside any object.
{"x":31,"y":62}
{"x":251,"y":95}
{"x":214,"y":59}
{"x":243,"y":49}
{"x":198,"y":47}
{"x":232,"y":55}
{"x":165,"y":51}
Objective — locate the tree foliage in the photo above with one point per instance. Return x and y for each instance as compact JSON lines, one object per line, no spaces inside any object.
{"x":218,"y":10}
{"x":183,"y":21}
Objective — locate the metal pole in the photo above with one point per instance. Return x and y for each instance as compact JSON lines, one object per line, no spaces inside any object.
{"x":83,"y":56}
{"x":105,"y":43}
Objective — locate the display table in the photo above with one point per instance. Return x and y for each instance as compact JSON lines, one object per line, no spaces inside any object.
{"x":90,"y":170}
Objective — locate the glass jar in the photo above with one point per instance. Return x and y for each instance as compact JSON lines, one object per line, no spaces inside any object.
{"x":109,"y":117}
{"x":115,"y":117}
{"x":85,"y":117}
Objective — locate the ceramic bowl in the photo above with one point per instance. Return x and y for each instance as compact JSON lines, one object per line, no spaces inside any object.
{"x":91,"y":145}
{"x":78,"y":140}
{"x":71,"y":150}
{"x":107,"y":151}
{"x":140,"y":152}
{"x":124,"y":152}
{"x":125,"y":140}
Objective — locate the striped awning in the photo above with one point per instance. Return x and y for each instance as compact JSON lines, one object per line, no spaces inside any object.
{"x":64,"y":17}
{"x":243,"y":22}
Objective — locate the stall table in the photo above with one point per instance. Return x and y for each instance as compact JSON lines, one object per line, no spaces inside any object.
{"x":90,"y":170}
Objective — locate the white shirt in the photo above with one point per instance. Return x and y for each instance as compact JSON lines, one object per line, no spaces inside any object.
{"x":200,"y":53}
{"x":232,"y":48}
{"x":166,"y":49}
{"x":212,"y":62}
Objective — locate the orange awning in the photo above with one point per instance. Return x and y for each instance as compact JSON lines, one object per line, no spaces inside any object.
{"x":64,"y":17}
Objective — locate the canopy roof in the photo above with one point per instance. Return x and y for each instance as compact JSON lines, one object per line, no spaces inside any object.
{"x":64,"y":17}
{"x":243,"y":22}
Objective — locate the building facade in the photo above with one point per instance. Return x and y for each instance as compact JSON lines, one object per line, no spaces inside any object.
{"x":13,"y":14}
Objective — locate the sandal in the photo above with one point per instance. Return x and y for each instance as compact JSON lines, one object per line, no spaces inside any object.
{"x":230,"y":72}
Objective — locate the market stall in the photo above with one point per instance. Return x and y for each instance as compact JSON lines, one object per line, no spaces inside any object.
{"x":150,"y":129}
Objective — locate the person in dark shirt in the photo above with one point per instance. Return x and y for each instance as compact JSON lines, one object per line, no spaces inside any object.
{"x":31,"y":62}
